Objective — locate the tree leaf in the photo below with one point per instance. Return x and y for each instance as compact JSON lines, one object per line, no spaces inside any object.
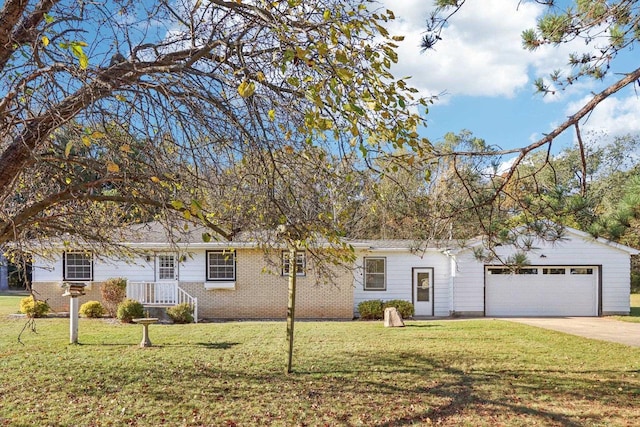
{"x":112,"y":167}
{"x":246,"y":88}
{"x":84,"y":61}
{"x":67,"y":148}
{"x":45,"y":41}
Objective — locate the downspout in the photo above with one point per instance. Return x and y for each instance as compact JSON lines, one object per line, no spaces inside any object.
{"x":452,"y":271}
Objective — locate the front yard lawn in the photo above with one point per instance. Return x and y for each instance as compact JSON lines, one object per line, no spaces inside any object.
{"x":456,"y":372}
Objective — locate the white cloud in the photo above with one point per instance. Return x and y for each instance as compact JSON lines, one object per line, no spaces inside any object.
{"x":481,"y":52}
{"x":615,"y":116}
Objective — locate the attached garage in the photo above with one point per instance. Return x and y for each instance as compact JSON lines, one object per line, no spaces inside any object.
{"x":575,"y":275}
{"x":542,"y":291}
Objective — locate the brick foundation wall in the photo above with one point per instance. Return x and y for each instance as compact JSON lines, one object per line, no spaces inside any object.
{"x":264,"y":296}
{"x":51,"y":292}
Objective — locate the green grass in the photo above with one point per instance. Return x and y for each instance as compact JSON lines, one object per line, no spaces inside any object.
{"x":460,"y":372}
{"x":10,"y":303}
{"x":634,"y":315}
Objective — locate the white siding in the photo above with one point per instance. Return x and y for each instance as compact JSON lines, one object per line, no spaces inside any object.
{"x":47,"y":269}
{"x":399,"y":277}
{"x":136,"y":269}
{"x":193,"y":267}
{"x":575,"y":250}
{"x":468,"y":285}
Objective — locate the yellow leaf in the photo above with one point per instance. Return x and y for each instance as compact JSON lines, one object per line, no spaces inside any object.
{"x":86,"y":140}
{"x":155,"y":179}
{"x":97,"y":134}
{"x":112,"y":167}
{"x":272,"y":115}
{"x":246,"y":89}
{"x":288,"y":149}
{"x":121,"y":98}
{"x":45,"y":41}
{"x":84,"y":62}
{"x":67,"y":149}
{"x":126,"y":148}
{"x":260,"y":76}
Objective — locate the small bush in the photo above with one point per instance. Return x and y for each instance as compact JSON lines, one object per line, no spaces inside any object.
{"x":181,"y":313}
{"x":370,"y":310}
{"x":92,"y":309}
{"x":130,"y":309}
{"x":113,"y":291}
{"x":34,"y":308}
{"x":404,"y":307}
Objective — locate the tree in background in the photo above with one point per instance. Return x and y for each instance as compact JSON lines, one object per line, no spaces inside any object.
{"x":609,"y":27}
{"x":425,"y":198}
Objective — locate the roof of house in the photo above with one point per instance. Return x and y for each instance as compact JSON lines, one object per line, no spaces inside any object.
{"x":157,"y":235}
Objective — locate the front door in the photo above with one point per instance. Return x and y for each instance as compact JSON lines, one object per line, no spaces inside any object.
{"x":166,"y":279}
{"x":423,"y":291}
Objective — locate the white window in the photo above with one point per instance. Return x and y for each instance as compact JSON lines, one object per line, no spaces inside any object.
{"x":554,"y":270}
{"x":301,"y":263}
{"x":167,"y":267}
{"x":78,"y":266}
{"x":581,"y":270}
{"x":375,"y":274}
{"x":221,"y":265}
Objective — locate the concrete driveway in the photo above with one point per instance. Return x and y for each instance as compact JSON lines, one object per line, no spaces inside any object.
{"x":599,"y":328}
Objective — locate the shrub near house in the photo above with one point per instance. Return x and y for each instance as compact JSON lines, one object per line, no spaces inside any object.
{"x":33,"y":308}
{"x":374,"y":309}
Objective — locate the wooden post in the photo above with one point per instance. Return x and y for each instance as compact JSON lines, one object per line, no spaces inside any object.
{"x":73,"y":317}
{"x":291,"y":304}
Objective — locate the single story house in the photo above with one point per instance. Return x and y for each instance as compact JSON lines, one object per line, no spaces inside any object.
{"x":574,"y":276}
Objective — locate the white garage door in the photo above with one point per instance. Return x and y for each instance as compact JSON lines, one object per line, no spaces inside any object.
{"x":542,"y":291}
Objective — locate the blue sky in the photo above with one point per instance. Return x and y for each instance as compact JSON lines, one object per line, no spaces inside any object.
{"x":486,"y":77}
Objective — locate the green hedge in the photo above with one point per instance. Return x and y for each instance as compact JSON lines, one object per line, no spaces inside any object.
{"x":130,"y":309}
{"x":181,"y":313}
{"x":34,"y":308}
{"x":374,"y":309}
{"x":92,"y":309}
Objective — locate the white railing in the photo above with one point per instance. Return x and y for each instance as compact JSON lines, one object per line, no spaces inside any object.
{"x":184,"y":297}
{"x":161,"y":294}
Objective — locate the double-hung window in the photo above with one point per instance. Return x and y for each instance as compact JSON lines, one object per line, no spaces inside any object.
{"x":375,"y":274}
{"x":78,"y":266}
{"x":301,"y":263}
{"x":221,"y":265}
